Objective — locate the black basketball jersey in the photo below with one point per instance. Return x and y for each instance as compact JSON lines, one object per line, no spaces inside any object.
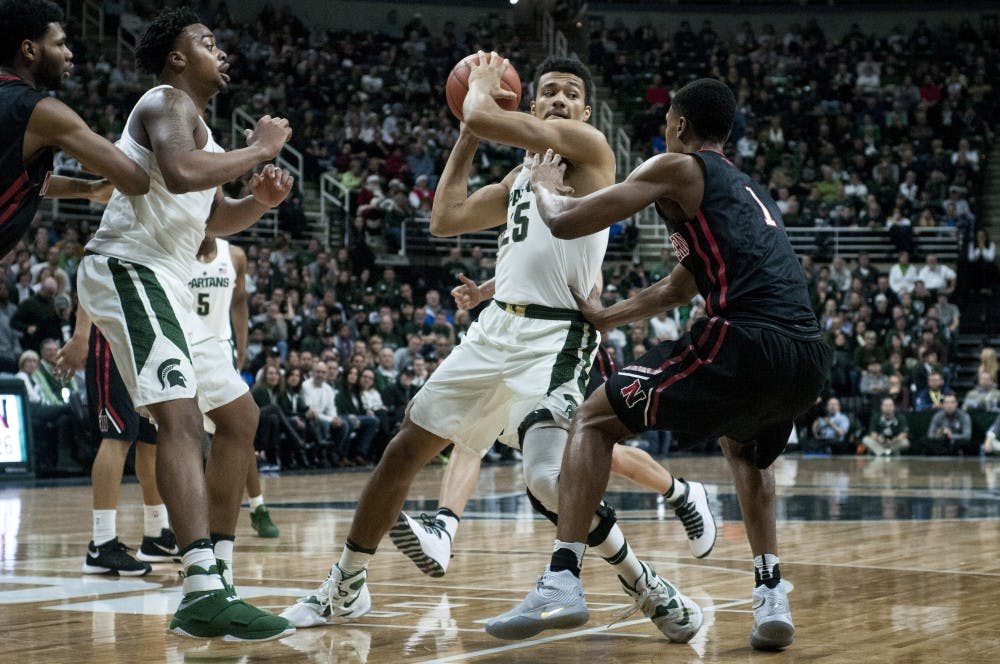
{"x":739,"y":254}
{"x":21,"y":189}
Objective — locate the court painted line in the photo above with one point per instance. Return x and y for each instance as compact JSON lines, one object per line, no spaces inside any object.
{"x":559,"y":637}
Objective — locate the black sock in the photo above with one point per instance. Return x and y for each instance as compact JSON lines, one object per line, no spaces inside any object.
{"x":444,"y":511}
{"x":357,"y":547}
{"x":564,"y":559}
{"x":219,"y":536}
{"x":197,"y":544}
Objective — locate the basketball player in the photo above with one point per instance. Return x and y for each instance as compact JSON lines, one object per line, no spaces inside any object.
{"x":133,"y":283}
{"x":220,"y":297}
{"x":427,"y":540}
{"x":742,"y":374}
{"x":521,"y":368}
{"x":34,"y":58}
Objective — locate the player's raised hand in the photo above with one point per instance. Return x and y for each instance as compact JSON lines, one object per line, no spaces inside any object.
{"x":548,"y":171}
{"x":488,"y":73}
{"x":271,"y":186}
{"x":467,"y":294}
{"x":271,"y":134}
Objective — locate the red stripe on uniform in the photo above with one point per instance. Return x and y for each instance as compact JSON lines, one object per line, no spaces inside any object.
{"x":14,"y":187}
{"x":714,"y":246}
{"x":708,"y":268}
{"x":14,"y":205}
{"x":105,"y":354}
{"x":655,"y":401}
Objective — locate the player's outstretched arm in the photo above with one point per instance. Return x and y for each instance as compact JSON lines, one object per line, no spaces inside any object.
{"x":171,"y":119}
{"x":454,"y":211}
{"x":54,"y":124}
{"x":668,"y":176}
{"x":675,"y":289}
{"x":576,"y":141}
{"x":267,"y":190}
{"x":98,"y":191}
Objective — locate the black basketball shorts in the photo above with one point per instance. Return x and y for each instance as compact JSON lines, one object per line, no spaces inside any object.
{"x":723,"y":378}
{"x":112,"y":414}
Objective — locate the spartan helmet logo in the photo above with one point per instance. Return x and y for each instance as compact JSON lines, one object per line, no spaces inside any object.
{"x":170,"y":375}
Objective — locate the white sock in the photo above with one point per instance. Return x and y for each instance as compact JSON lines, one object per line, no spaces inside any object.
{"x":449,"y":521}
{"x":352,"y":561}
{"x":255,"y":502}
{"x":154,"y":519}
{"x":619,"y":554}
{"x":204,"y":559}
{"x":105,"y":527}
{"x":224,"y":552}
{"x":676,"y":491}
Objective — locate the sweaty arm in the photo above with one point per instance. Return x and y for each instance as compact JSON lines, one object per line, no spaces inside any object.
{"x":674,"y":290}
{"x":676,"y":177}
{"x":454,"y":211}
{"x":54,"y":124}
{"x":64,"y":187}
{"x":170,"y":120}
{"x":577,"y":141}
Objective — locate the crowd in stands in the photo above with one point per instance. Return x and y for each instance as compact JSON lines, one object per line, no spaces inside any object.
{"x":880,"y":131}
{"x":860,"y":130}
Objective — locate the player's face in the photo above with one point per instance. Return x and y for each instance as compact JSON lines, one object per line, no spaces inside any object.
{"x":560,"y":95}
{"x":55,"y":60}
{"x":206,"y":62}
{"x":671,"y":134}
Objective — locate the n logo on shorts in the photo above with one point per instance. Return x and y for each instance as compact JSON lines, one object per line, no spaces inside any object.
{"x":170,"y":375}
{"x":633,"y":394}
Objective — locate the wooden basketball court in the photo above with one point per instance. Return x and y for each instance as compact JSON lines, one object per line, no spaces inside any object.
{"x":892,"y":561}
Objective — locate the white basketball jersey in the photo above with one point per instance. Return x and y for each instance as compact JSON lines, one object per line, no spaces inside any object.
{"x":533,"y":267}
{"x":159,"y":229}
{"x":212,"y":284}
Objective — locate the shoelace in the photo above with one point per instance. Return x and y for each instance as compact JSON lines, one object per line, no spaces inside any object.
{"x":430,"y":524}
{"x":640,"y":597}
{"x":326,"y":591}
{"x":693,"y":523}
{"x":629,"y":610}
{"x":222,"y":566}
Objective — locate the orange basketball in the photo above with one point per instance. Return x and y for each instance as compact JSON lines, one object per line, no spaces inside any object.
{"x":458,"y":85}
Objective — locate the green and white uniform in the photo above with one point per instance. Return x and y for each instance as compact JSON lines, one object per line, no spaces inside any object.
{"x":530,"y":348}
{"x":134,"y":284}
{"x":212,"y":284}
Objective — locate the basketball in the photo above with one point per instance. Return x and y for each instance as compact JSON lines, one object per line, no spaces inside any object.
{"x":458,"y":85}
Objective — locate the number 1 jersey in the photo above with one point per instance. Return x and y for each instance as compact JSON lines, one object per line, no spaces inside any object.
{"x":737,"y":249}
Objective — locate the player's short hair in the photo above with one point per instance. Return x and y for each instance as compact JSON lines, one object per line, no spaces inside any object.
{"x":567,"y":66}
{"x":24,"y":19}
{"x":161,"y":36}
{"x":710,"y":107}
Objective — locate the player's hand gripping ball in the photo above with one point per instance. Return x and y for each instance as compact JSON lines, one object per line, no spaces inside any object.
{"x":458,"y":85}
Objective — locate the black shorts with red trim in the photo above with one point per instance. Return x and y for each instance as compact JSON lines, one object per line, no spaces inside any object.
{"x":112,"y":414}
{"x":723,"y":378}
